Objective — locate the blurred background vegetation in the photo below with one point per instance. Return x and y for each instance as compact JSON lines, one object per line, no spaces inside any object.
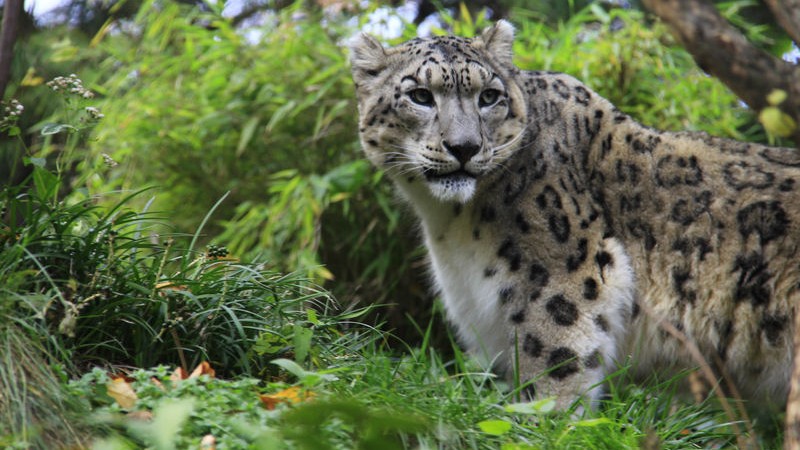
{"x":253,"y":102}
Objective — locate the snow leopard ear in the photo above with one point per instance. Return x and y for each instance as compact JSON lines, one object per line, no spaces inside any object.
{"x":367,"y":57}
{"x":498,"y":41}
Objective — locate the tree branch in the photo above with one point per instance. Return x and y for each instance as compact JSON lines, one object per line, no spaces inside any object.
{"x":12,"y":11}
{"x":787,"y":14}
{"x":720,"y":49}
{"x":252,"y":8}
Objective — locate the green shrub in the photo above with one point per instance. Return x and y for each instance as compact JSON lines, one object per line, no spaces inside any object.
{"x":199,"y":109}
{"x":35,"y":410}
{"x":95,"y":283}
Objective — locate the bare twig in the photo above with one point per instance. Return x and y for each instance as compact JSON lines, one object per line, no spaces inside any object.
{"x":179,"y":347}
{"x":744,"y":442}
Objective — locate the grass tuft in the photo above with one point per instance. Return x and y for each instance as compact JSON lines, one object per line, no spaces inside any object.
{"x":34,"y":410}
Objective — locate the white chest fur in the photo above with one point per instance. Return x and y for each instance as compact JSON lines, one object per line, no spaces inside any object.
{"x":459,"y":265}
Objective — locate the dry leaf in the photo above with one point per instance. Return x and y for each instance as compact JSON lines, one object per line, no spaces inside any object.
{"x":209,"y":442}
{"x":143,"y":415}
{"x":204,"y":368}
{"x":232,"y":259}
{"x":164,"y":286}
{"x":178,"y":375}
{"x":121,"y":391}
{"x":158,"y":383}
{"x":31,"y":79}
{"x":292,"y":394}
{"x":122,"y":375}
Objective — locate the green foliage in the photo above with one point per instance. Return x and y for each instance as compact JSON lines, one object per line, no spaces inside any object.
{"x":212,"y":406}
{"x":103,"y":291}
{"x":38,"y":58}
{"x":184,"y":411}
{"x":378,"y":401}
{"x":472,"y":410}
{"x":271,"y":120}
{"x":84,"y":284}
{"x":757,"y":23}
{"x":201,"y":111}
{"x":35,"y":412}
{"x":204,"y":110}
{"x":98,"y":285}
{"x":289,"y":224}
{"x":548,"y":12}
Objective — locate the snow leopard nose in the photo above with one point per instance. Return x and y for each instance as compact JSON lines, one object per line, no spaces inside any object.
{"x":463,"y":151}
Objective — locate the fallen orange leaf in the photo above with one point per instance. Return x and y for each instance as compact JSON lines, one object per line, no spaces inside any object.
{"x":209,"y":442}
{"x":122,"y":391}
{"x":178,"y":375}
{"x":121,"y":375}
{"x":158,"y":383}
{"x":204,"y":368}
{"x":289,"y":395}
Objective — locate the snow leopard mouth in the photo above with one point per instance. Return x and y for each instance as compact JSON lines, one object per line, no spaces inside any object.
{"x":458,"y":185}
{"x":455,"y":175}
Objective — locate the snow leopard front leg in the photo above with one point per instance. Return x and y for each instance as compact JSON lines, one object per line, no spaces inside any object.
{"x":568,"y":323}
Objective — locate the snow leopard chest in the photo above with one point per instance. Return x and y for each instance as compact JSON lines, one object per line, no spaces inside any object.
{"x":464,"y":270}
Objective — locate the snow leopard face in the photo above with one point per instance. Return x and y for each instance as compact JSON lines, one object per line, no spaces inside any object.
{"x":444,"y":111}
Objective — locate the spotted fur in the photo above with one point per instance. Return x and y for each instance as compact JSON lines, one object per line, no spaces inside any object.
{"x":552,"y":220}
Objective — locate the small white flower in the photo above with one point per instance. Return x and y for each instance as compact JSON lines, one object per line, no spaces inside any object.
{"x":94,"y":113}
{"x":108,"y":160}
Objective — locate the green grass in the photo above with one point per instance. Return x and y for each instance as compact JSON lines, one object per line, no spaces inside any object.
{"x":103,"y":290}
{"x":34,"y":412}
{"x":377,"y":400}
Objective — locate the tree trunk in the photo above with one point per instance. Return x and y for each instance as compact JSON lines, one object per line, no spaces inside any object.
{"x":12,"y":11}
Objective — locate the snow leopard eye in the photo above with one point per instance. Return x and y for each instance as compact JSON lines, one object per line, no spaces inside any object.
{"x":488,"y":97}
{"x":421,"y":96}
